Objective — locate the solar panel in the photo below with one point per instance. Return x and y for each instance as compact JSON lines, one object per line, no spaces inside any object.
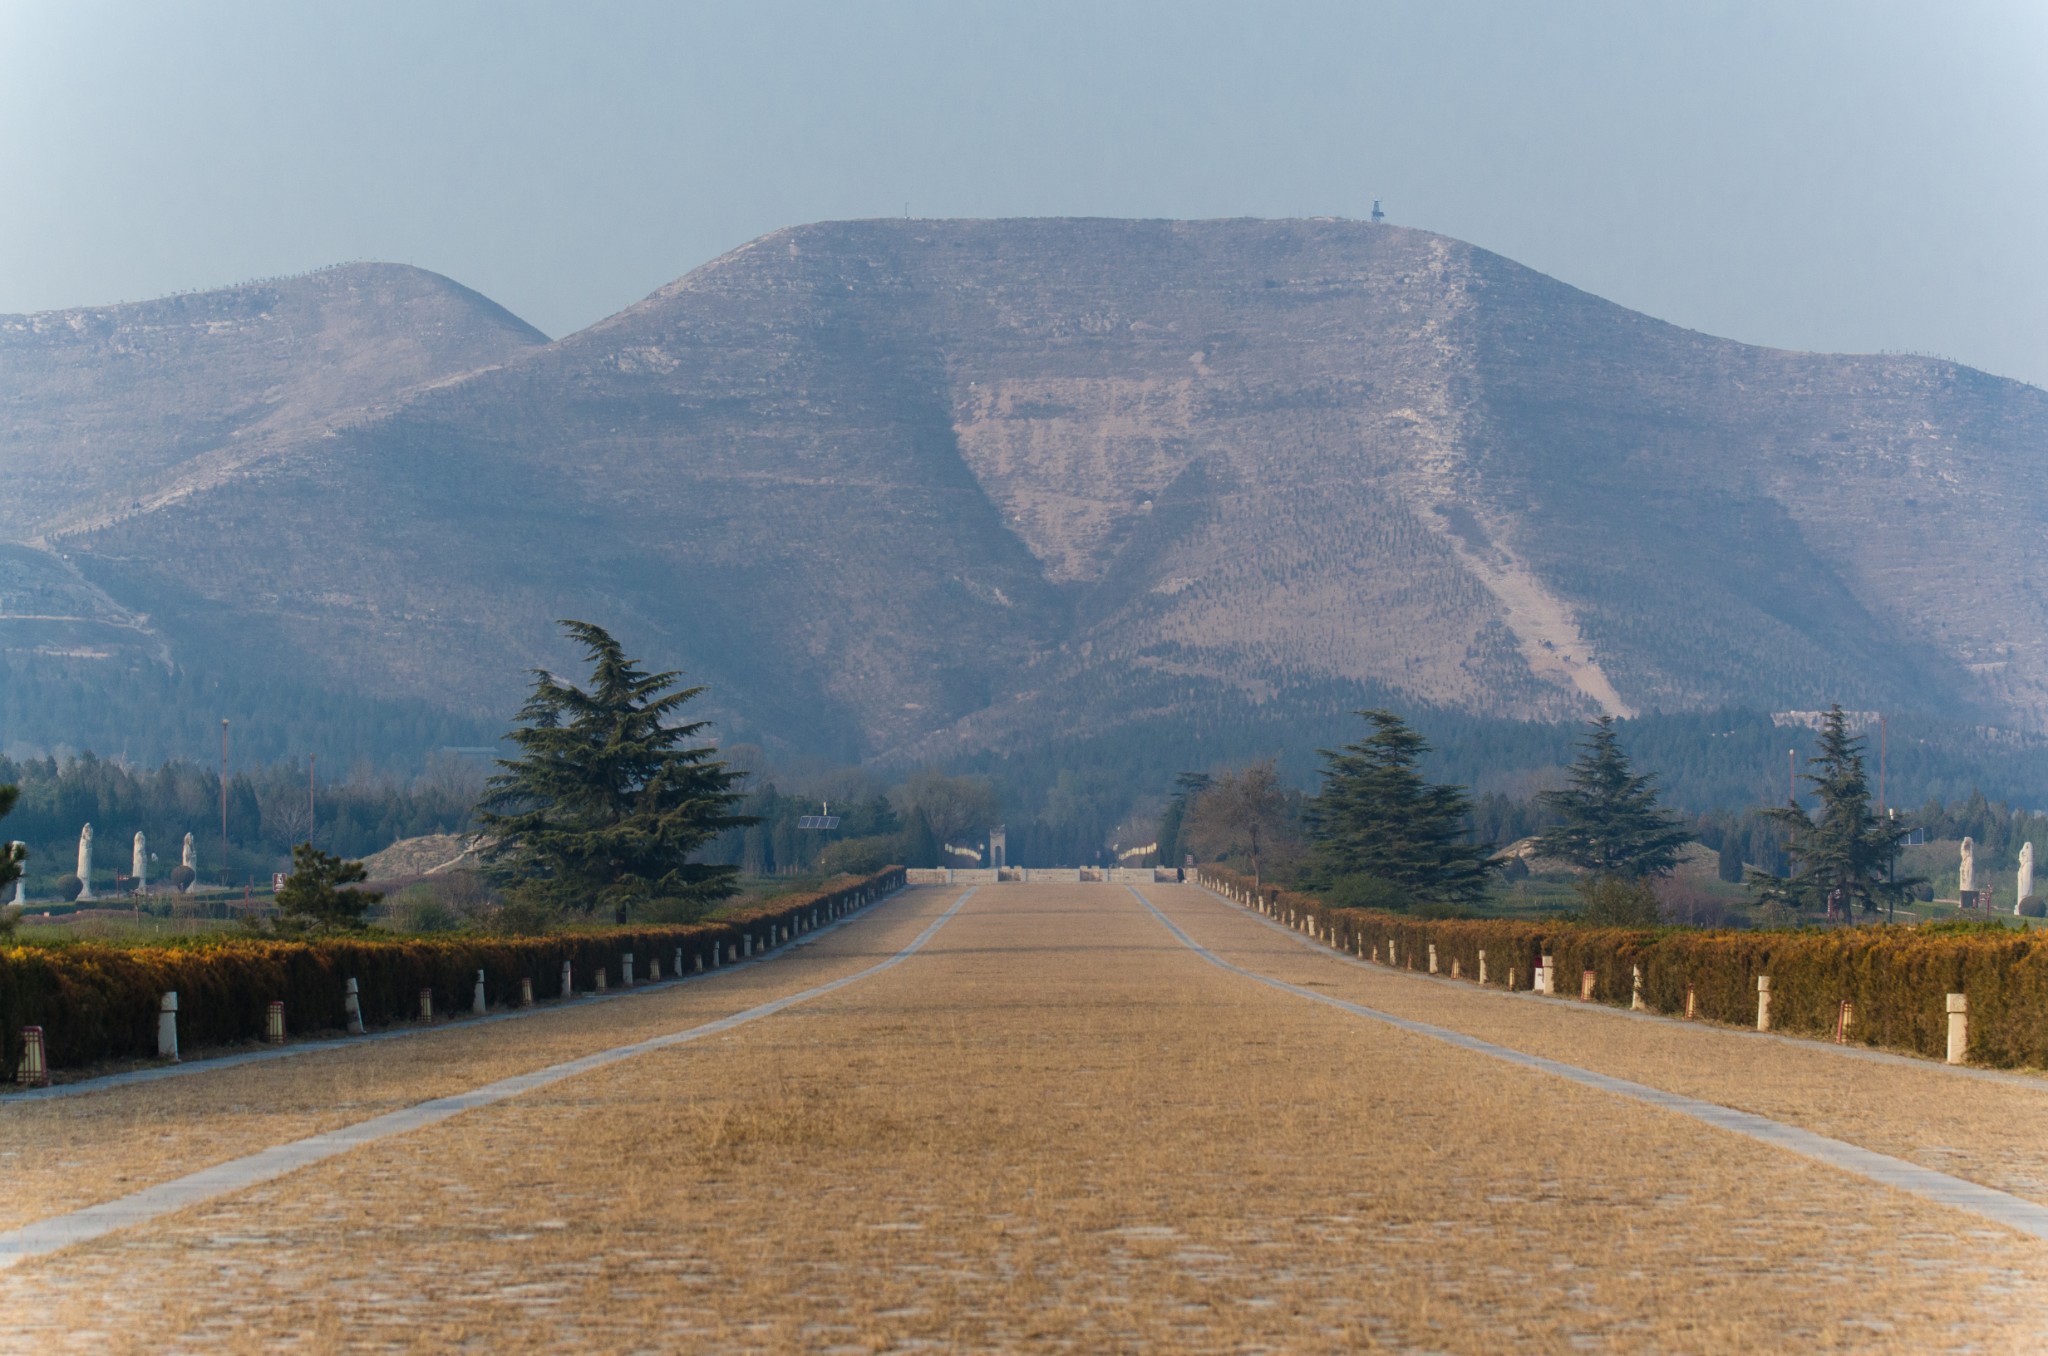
{"x":818,"y":822}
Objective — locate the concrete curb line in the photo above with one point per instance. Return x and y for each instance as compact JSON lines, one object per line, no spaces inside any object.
{"x":2033,"y":1082}
{"x":320,"y":1045}
{"x":1998,"y":1207}
{"x":48,"y":1235}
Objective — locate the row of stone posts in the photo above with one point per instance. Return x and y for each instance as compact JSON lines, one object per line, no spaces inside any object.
{"x":1543,"y":978}
{"x":34,"y":1068}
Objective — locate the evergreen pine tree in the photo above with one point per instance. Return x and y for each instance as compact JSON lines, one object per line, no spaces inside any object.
{"x":315,"y":893}
{"x":1377,"y":818}
{"x":608,"y":800}
{"x":1609,"y":822}
{"x":1847,"y":849}
{"x":11,"y":858}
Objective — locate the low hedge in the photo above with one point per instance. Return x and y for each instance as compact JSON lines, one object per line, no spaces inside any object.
{"x":96,"y":1002}
{"x":1896,"y":979}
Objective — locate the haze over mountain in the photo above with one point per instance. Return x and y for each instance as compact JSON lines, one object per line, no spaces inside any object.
{"x":908,"y":489}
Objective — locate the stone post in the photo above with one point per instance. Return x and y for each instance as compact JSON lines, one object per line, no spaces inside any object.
{"x":626,"y":971}
{"x":1391,"y":953}
{"x":20,"y":852}
{"x":602,"y":976}
{"x":1635,"y":995}
{"x":1587,"y":979}
{"x":426,"y":1005}
{"x":1457,"y":968}
{"x":273,"y":1022}
{"x":1763,"y":1002}
{"x":568,"y":980}
{"x":1691,"y":1003}
{"x":1958,"y":1028}
{"x":1482,"y":967}
{"x":352,"y":1007}
{"x":33,"y":1071}
{"x":138,"y":865}
{"x":679,"y":963}
{"x":653,"y":969}
{"x":476,"y":998}
{"x":167,"y":1027}
{"x":747,"y":944}
{"x":1432,"y":957}
{"x":526,"y":991}
{"x":1547,"y":976}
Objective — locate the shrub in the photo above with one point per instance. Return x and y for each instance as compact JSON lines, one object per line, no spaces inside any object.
{"x":1613,"y":902}
{"x":2033,"y":906}
{"x":1367,"y":892}
{"x":182,"y":877}
{"x":69,"y":888}
{"x":98,"y":1002}
{"x":1896,"y":977}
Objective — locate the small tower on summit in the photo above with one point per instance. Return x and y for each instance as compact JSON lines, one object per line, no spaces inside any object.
{"x":1377,"y":215}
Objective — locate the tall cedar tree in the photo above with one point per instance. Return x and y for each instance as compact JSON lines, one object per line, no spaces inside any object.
{"x":11,"y":856}
{"x":1187,"y":787}
{"x":1379,"y":820}
{"x":1848,"y":848}
{"x":609,"y":800}
{"x":314,"y":894}
{"x":1609,"y":822}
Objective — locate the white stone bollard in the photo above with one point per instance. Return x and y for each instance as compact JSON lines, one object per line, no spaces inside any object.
{"x":602,"y":976}
{"x":34,"y":1070}
{"x":273,"y":1023}
{"x":476,"y":999}
{"x":1763,"y":1002}
{"x":1587,"y":979}
{"x":1547,"y":976}
{"x":626,"y":971}
{"x":654,"y":970}
{"x":1635,"y":995}
{"x":1958,"y":1028}
{"x":732,"y":955}
{"x":1482,"y":967}
{"x":698,"y":965}
{"x":426,"y":1005}
{"x":679,"y":963}
{"x":1392,"y":954}
{"x":352,"y":1007}
{"x":1691,"y":1003}
{"x":1432,"y":957}
{"x":1511,"y":979}
{"x":568,"y":980}
{"x":526,"y":991}
{"x":1457,"y":968}
{"x":747,"y":945}
{"x":167,"y":1027}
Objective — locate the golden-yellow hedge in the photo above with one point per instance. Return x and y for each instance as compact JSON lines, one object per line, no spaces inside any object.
{"x":98,"y":1002}
{"x":1896,"y":979}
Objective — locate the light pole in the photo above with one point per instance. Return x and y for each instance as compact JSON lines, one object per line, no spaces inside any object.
{"x":225,"y":883}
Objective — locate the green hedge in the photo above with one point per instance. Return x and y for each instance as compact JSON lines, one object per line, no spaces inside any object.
{"x":97,"y":1002}
{"x":1896,"y":979}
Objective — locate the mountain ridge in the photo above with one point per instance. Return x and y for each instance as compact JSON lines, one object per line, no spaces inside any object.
{"x":904,"y":490}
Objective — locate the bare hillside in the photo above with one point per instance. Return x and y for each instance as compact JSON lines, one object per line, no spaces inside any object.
{"x":903,"y":488}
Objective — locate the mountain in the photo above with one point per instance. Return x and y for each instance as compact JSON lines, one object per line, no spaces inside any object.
{"x":922,"y":490}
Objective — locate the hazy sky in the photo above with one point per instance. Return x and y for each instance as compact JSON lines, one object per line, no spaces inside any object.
{"x":1814,"y":175}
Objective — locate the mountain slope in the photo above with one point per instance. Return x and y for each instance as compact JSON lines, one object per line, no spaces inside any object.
{"x":911,"y":489}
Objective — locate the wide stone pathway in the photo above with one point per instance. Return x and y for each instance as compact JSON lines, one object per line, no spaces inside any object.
{"x":1053,"y":1126}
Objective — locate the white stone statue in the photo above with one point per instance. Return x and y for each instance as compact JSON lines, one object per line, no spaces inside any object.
{"x":2026,"y":875}
{"x":20,"y":851}
{"x":85,"y":862}
{"x":1966,"y":878}
{"x":139,"y":865}
{"x":191,"y":855}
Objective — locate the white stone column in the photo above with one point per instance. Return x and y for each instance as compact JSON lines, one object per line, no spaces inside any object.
{"x":85,"y":862}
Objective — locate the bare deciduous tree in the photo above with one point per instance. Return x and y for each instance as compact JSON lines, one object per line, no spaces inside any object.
{"x":1246,"y":809}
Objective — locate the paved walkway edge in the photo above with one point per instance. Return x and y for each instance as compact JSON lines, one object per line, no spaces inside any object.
{"x":457,"y":1021}
{"x":1997,"y":1206}
{"x":96,"y":1221}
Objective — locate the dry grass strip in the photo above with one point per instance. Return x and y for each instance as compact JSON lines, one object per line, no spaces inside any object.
{"x":1995,"y":1133}
{"x":1054,"y":1129}
{"x":66,"y":1153}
